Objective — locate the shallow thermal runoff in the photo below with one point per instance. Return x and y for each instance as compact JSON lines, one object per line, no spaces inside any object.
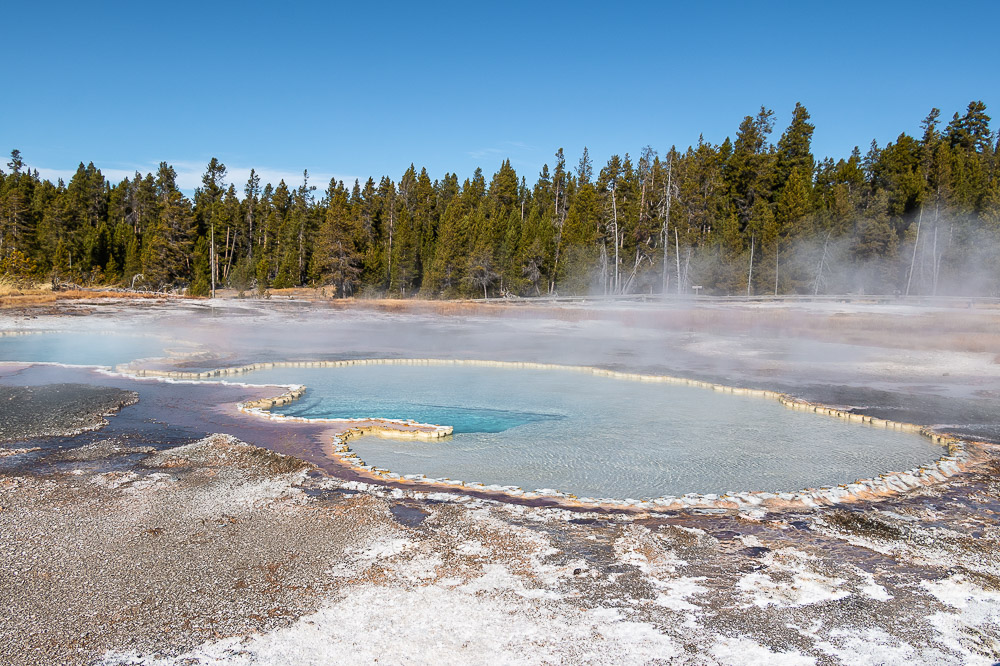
{"x":187,"y":531}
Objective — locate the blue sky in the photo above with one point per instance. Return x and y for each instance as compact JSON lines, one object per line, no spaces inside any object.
{"x":365,"y":89}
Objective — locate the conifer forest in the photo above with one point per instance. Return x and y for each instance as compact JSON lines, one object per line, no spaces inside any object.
{"x":758,"y":214}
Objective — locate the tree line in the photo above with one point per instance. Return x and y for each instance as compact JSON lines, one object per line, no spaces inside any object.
{"x":920,"y":215}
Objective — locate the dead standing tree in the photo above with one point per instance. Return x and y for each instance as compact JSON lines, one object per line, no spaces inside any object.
{"x":481,"y":272}
{"x":822,"y":263}
{"x":665,"y":229}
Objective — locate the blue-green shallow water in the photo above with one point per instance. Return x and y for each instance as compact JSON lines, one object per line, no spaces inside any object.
{"x":104,"y":349}
{"x":596,"y":436}
{"x":462,"y":419}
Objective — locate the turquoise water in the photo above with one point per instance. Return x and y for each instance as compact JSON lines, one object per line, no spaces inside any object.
{"x":460,"y":400}
{"x":104,"y":349}
{"x":596,"y":436}
{"x":462,"y":419}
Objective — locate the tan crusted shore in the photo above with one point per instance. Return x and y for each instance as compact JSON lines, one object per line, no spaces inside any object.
{"x":960,"y":455}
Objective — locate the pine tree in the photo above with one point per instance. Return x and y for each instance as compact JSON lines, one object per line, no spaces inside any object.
{"x":458,"y":233}
{"x":426,"y":221}
{"x":585,"y":169}
{"x":251,"y":204}
{"x":971,"y":131}
{"x":608,"y":186}
{"x":749,"y":170}
{"x":906,"y":216}
{"x":580,"y":241}
{"x":15,"y":198}
{"x":793,"y":148}
{"x":337,"y":259}
{"x":403,"y":259}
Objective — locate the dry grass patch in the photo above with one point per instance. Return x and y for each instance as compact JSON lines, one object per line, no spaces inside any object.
{"x":14,"y":294}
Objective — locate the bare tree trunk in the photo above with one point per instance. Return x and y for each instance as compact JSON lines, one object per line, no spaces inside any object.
{"x":392,"y":227}
{"x":642,"y":201}
{"x":250,"y":220}
{"x":560,"y":220}
{"x":627,"y":287}
{"x":614,"y":210}
{"x":666,"y":228}
{"x":555,"y":263}
{"x":302,"y":248}
{"x":936,"y":263}
{"x":229,"y":254}
{"x":916,"y":242}
{"x":687,"y":266}
{"x":604,"y":267}
{"x":677,"y":257}
{"x":211,"y":261}
{"x":750,"y":273}
{"x":819,"y":272}
{"x":777,"y":257}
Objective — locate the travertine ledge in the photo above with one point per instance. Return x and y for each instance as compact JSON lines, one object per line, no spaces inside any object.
{"x":958,"y":454}
{"x":395,"y":428}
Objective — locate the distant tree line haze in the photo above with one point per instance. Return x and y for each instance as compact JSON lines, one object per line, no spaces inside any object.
{"x":919,"y":216}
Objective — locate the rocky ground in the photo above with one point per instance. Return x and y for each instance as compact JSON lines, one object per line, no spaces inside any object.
{"x":221,"y":552}
{"x":121,"y":551}
{"x":33,"y":412}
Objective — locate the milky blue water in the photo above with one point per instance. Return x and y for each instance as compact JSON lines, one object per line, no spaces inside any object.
{"x":105,"y":349}
{"x":596,"y":436}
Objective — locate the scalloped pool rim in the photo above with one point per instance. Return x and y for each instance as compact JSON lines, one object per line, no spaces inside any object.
{"x":959,"y":456}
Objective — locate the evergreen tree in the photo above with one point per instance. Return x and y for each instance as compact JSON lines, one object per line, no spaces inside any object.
{"x":337,"y":259}
{"x":17,"y":221}
{"x":903,"y":217}
{"x":585,"y":169}
{"x":168,"y":247}
{"x":794,"y":147}
{"x":580,"y":237}
{"x":971,"y":131}
{"x":251,"y":205}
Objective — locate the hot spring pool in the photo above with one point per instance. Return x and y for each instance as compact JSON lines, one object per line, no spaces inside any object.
{"x":84,"y":348}
{"x":595,"y":436}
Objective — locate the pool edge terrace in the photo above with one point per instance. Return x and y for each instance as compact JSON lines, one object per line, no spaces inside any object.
{"x":960,"y":455}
